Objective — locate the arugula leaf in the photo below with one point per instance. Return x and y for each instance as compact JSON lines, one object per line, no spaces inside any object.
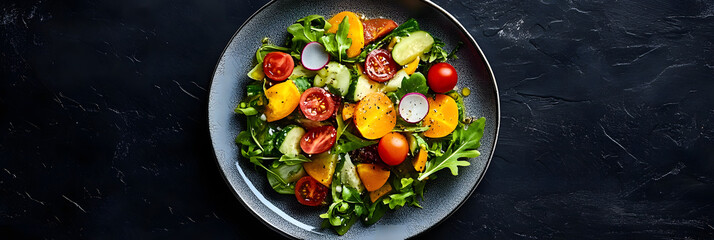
{"x":305,"y":30}
{"x":268,"y":48}
{"x":437,"y":52}
{"x":337,"y":44}
{"x":299,"y":159}
{"x":466,"y":142}
{"x":351,"y":142}
{"x":398,"y":199}
{"x":415,"y":83}
{"x":408,"y":189}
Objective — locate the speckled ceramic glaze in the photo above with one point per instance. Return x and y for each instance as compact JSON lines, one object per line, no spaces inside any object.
{"x":282,"y":212}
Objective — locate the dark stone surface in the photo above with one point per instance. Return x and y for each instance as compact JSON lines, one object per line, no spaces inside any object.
{"x":607,"y":120}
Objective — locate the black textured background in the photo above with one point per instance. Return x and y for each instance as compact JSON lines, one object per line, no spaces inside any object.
{"x":607,"y":120}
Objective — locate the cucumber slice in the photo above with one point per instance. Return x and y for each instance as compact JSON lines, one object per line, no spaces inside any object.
{"x":363,"y":87}
{"x":336,"y":75}
{"x":299,"y":71}
{"x":290,"y":173}
{"x":348,"y":175}
{"x":408,"y":48}
{"x":257,"y":72}
{"x":288,"y":140}
{"x":396,"y":81}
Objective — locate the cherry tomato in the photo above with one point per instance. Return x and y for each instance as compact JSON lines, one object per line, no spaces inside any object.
{"x":317,"y":104}
{"x":278,"y":65}
{"x":376,"y":28}
{"x":310,"y":192}
{"x":393,"y":148}
{"x":442,"y":77}
{"x":318,"y":140}
{"x":380,"y":66}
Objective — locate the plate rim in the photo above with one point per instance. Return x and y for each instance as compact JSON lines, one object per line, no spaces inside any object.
{"x":448,"y":15}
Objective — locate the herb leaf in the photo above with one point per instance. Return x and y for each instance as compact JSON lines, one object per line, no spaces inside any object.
{"x":466,"y":142}
{"x":305,"y":30}
{"x":338,"y":43}
{"x":415,"y":83}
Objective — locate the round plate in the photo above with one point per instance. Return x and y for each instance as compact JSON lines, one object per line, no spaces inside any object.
{"x":282,"y":212}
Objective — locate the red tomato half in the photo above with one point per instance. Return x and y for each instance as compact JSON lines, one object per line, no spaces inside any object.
{"x":376,"y":28}
{"x":278,"y":65}
{"x":380,"y":66}
{"x":310,"y":192}
{"x":318,"y":140}
{"x":317,"y":104}
{"x":442,"y":77}
{"x":393,"y":148}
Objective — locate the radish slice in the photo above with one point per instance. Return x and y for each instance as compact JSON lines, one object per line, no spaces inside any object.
{"x":413,"y":107}
{"x":314,"y":57}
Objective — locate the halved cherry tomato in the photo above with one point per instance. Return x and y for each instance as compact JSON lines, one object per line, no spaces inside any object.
{"x":393,"y":148}
{"x":278,"y":65}
{"x":375,"y":115}
{"x":377,"y":28}
{"x":443,"y":116}
{"x":380,"y":66}
{"x":319,"y":139}
{"x":442,"y":77}
{"x":310,"y":192}
{"x":317,"y":104}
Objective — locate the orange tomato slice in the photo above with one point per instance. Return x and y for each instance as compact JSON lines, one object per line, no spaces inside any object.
{"x":376,"y":194}
{"x":443,"y":116}
{"x":373,"y":176}
{"x":322,"y":167}
{"x":356,"y":31}
{"x":420,"y":161}
{"x":375,"y":115}
{"x":411,"y":67}
{"x":348,"y":110}
{"x":283,"y":98}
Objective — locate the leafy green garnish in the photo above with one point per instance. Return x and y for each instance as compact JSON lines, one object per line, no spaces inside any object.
{"x":347,"y":207}
{"x":407,"y":191}
{"x":305,"y":30}
{"x":351,"y":142}
{"x":254,"y":100}
{"x":302,"y":83}
{"x":266,"y":48}
{"x":337,"y":44}
{"x":415,"y":83}
{"x":465,"y":143}
{"x":299,"y":159}
{"x":283,"y":174}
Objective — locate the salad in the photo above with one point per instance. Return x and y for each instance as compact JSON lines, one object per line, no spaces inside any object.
{"x":353,"y":116}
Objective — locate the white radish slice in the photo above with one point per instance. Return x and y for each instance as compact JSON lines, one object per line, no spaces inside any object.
{"x":413,"y":107}
{"x":314,"y":57}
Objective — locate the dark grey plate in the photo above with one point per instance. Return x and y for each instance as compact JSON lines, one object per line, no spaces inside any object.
{"x":282,"y":212}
